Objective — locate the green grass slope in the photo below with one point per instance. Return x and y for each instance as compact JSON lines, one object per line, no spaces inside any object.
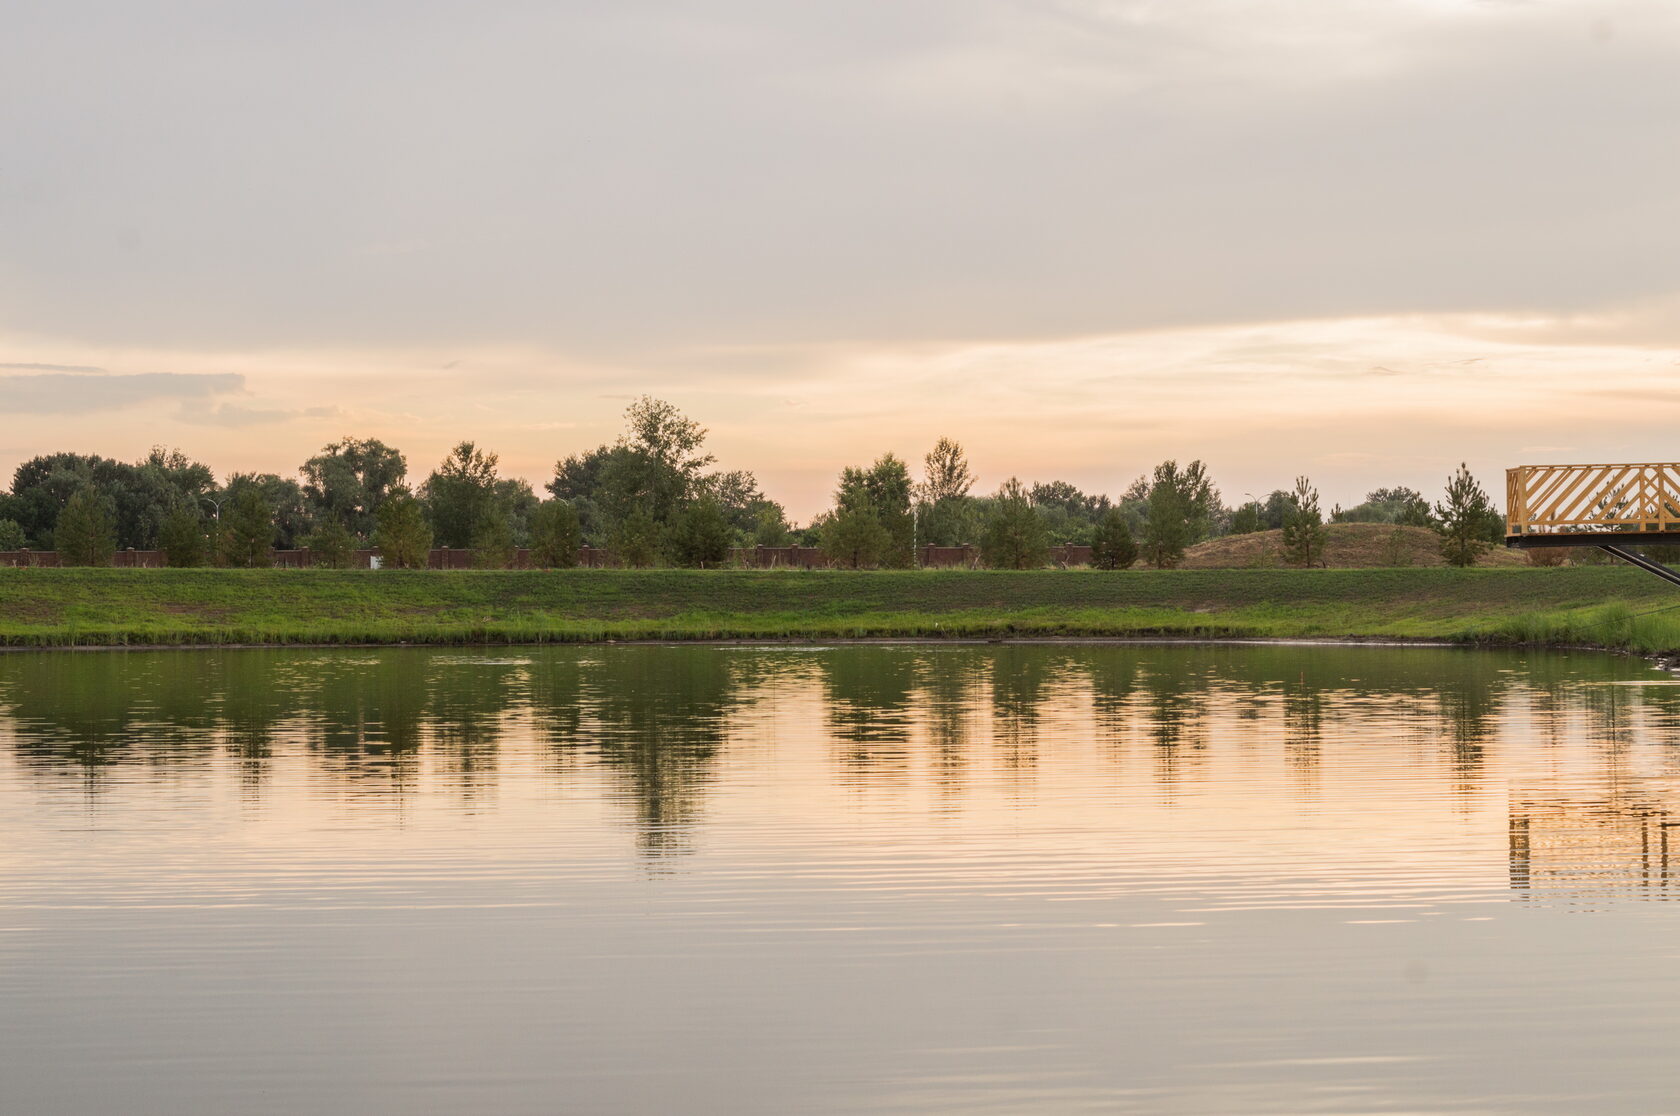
{"x":89,"y":607}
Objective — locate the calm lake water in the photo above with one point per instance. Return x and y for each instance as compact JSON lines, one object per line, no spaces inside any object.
{"x":1062,"y":878}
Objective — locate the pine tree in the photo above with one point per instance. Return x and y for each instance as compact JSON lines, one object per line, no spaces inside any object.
{"x":853,"y":536}
{"x":403,"y":537}
{"x":86,"y":534}
{"x":701,"y":535}
{"x":1166,"y":529}
{"x":1015,"y":537}
{"x":636,"y":539}
{"x":1304,"y":532}
{"x":249,"y":529}
{"x":182,"y":539}
{"x":493,"y":547}
{"x":1463,"y":519}
{"x":1112,"y":547}
{"x":556,"y":535}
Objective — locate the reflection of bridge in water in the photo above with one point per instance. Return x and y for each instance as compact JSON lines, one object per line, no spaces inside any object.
{"x":1569,"y":846}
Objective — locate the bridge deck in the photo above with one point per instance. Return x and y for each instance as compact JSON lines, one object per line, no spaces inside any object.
{"x":1586,"y":505}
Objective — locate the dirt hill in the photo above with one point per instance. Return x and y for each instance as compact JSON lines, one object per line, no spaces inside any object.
{"x":1350,"y":546}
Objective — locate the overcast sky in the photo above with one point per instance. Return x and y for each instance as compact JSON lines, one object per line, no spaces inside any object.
{"x":1360,"y":239}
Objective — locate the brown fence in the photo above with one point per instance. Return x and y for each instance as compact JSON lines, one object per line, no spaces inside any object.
{"x":447,"y":558}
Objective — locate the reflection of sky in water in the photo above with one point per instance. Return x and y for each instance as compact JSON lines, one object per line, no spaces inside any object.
{"x":963,"y":878}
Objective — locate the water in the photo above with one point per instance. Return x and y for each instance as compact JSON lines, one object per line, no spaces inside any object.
{"x":1062,"y":878}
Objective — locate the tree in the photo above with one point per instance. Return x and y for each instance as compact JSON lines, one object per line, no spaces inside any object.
{"x":1462,"y":519}
{"x":182,"y":538}
{"x":852,"y":536}
{"x":11,"y":535}
{"x":289,"y":512}
{"x":403,"y":537}
{"x":1246,"y":519}
{"x":332,"y":545}
{"x":636,"y":539}
{"x":770,"y":525}
{"x":460,"y":493}
{"x":1015,"y":538}
{"x":701,"y":535}
{"x":945,"y":473}
{"x":556,"y":535}
{"x":884,"y":489}
{"x":350,"y":479}
{"x":86,"y":531}
{"x":1112,"y":548}
{"x":1304,"y":532}
{"x":1166,"y":530}
{"x":248,"y":529}
{"x":493,"y":547}
{"x":1180,"y":507}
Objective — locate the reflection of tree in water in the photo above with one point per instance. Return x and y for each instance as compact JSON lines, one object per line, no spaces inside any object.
{"x":1303,"y":727}
{"x":948,"y":689}
{"x":467,"y":699}
{"x":89,"y":711}
{"x":867,"y":691}
{"x":1174,"y":688}
{"x":369,"y":714}
{"x":1113,"y":676}
{"x":1019,"y":678}
{"x":655,"y":717}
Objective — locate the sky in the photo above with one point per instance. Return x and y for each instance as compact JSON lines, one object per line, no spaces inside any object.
{"x":1361,"y":240}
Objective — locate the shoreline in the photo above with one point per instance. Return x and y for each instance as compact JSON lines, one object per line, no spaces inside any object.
{"x":1597,"y":608}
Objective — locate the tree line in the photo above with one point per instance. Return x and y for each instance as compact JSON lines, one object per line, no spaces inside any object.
{"x":653,"y":496}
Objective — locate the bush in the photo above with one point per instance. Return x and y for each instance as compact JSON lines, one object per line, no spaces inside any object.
{"x":11,"y":535}
{"x":636,"y":540}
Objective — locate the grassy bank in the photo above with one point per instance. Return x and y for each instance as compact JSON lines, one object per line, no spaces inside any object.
{"x":87,"y":607}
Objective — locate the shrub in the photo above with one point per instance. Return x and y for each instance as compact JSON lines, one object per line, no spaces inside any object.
{"x":332,"y":546}
{"x":403,"y":537}
{"x":1015,"y":537}
{"x":182,"y":538}
{"x":86,"y":534}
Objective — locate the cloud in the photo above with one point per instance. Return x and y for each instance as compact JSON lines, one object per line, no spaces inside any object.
{"x":53,"y":367}
{"x":56,"y":393}
{"x":617,"y":178}
{"x":238,"y":415}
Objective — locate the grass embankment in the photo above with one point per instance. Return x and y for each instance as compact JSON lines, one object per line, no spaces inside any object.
{"x":90,"y":607}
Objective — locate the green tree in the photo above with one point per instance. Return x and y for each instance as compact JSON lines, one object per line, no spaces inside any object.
{"x":248,"y":529}
{"x":852,"y":535}
{"x":1015,"y":537}
{"x":556,"y":535}
{"x":701,"y":535}
{"x":403,"y":536}
{"x":86,"y":532}
{"x":182,"y":538}
{"x":1462,"y":519}
{"x":1112,"y":548}
{"x":635,"y":541}
{"x":884,"y":489}
{"x":770,"y":526}
{"x":1304,"y":532}
{"x":460,"y":493}
{"x":1166,"y":528}
{"x":12,"y":536}
{"x":1246,"y":519}
{"x":332,"y":545}
{"x":944,"y":508}
{"x":493,"y":547}
{"x":349,"y":480}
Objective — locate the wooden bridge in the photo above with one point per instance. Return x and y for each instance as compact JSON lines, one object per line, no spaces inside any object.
{"x":1611,"y":507}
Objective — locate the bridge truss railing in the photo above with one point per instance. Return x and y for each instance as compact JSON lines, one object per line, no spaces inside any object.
{"x":1591,"y":499}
